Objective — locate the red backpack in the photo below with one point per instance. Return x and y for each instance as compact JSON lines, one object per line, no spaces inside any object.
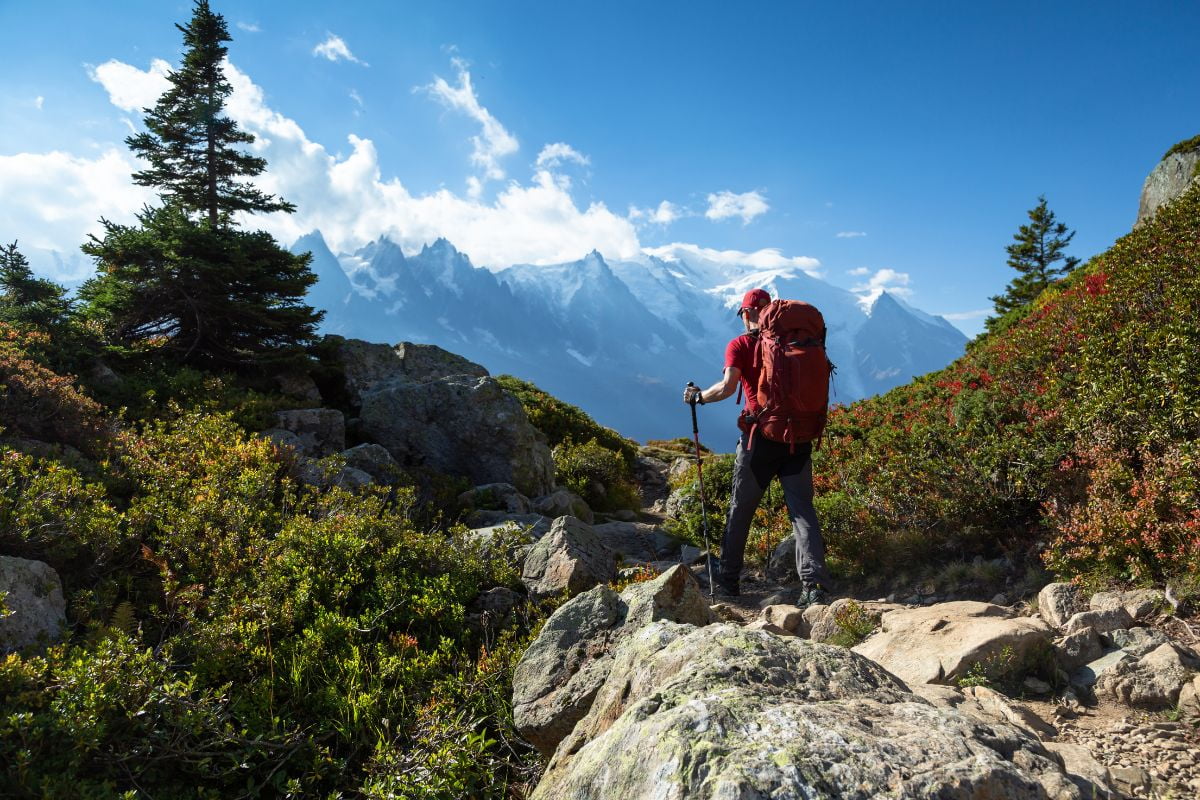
{"x":793,"y":382}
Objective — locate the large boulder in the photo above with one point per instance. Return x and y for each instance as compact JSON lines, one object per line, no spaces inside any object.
{"x":1153,"y":681}
{"x":432,"y":408}
{"x":36,"y":610}
{"x":374,"y":460}
{"x":571,"y":558}
{"x":723,"y":712}
{"x":1167,"y":181}
{"x":1076,"y":649}
{"x":1058,"y":602}
{"x":495,"y":496}
{"x":1105,"y":621}
{"x":558,"y":676}
{"x":1140,"y":604}
{"x":366,"y":364}
{"x":940,"y":643}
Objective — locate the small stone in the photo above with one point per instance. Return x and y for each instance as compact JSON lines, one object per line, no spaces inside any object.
{"x":1034,"y":684}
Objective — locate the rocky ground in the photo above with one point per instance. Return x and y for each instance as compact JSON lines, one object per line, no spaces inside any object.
{"x":1148,"y":754}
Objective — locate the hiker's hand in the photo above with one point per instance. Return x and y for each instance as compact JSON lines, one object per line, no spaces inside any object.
{"x":691,"y":394}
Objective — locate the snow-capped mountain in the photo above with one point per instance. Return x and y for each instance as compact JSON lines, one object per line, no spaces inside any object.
{"x":619,"y":339}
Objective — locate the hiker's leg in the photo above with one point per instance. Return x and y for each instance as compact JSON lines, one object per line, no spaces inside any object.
{"x":747,"y":491}
{"x":796,"y":478}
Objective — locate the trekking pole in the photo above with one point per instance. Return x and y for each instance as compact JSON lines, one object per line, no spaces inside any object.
{"x":700,"y":482}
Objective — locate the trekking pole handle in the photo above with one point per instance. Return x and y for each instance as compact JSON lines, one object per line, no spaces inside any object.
{"x":692,"y":403}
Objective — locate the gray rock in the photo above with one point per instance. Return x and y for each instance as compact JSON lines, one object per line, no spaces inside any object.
{"x":492,"y":607}
{"x":496,"y":497}
{"x":299,"y":385}
{"x":1101,"y":622}
{"x":650,"y":475}
{"x":689,"y":554}
{"x":557,"y":677}
{"x":571,"y":558}
{"x":723,"y":712}
{"x":1058,"y":602}
{"x":1076,"y":649}
{"x":1140,"y":604}
{"x":459,"y":425}
{"x":366,"y":365}
{"x":1189,"y":699}
{"x":788,"y":617}
{"x":679,"y":468}
{"x":535,"y":525}
{"x":319,"y":431}
{"x":1153,"y":681}
{"x":563,"y":503}
{"x":1089,"y":775}
{"x":1167,"y":181}
{"x":782,"y":563}
{"x":940,"y":644}
{"x":33,"y":596}
{"x":374,"y":460}
{"x":1085,"y":677}
{"x":1137,"y":641}
{"x":637,"y":542}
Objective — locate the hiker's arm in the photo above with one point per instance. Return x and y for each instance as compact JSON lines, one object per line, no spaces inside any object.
{"x":721,"y":389}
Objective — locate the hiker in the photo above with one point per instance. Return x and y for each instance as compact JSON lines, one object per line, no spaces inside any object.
{"x":760,"y":458}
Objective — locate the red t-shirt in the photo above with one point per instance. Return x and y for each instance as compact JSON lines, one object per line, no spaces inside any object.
{"x":740,"y":353}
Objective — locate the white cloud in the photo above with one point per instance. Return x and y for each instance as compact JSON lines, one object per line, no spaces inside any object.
{"x":666,"y":213}
{"x":334,"y":48}
{"x":767,"y":258}
{"x":129,"y":88}
{"x":850,"y":234}
{"x":962,"y":316}
{"x":493,"y":142}
{"x":249,"y":27}
{"x":555,"y":154}
{"x":56,"y":199}
{"x":38,"y":102}
{"x":726,"y":204}
{"x":882,"y":280}
{"x":858,"y":271}
{"x":356,"y":97}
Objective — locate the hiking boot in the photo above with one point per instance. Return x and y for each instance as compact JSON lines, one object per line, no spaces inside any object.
{"x":726,"y":588}
{"x":813,"y":594}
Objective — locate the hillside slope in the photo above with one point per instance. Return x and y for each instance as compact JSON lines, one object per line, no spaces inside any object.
{"x":1073,"y":426}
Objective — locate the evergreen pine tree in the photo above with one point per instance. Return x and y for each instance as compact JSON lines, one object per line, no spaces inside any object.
{"x":1036,"y":249}
{"x":26,"y":299}
{"x":185,"y":279}
{"x":194,"y":151}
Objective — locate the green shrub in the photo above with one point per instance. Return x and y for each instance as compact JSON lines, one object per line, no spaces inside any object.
{"x":597,"y":474}
{"x":562,"y":421}
{"x":854,"y":624}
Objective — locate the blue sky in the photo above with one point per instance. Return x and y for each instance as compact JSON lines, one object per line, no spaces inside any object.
{"x":896,"y":144}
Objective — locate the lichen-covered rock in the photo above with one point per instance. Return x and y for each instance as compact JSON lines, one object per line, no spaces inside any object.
{"x":535,"y":525}
{"x":1138,"y":641}
{"x":317,"y":432}
{"x":1153,"y":681}
{"x":33,"y":595}
{"x":1058,"y":602}
{"x":557,"y":677}
{"x":1103,"y":621}
{"x":722,"y":712}
{"x":940,"y":643}
{"x":571,"y":558}
{"x":496,"y":497}
{"x":563,"y":503}
{"x":365,"y":364}
{"x":637,"y":542}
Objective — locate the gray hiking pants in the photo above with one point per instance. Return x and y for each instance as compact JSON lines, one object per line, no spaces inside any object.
{"x":752,"y":473}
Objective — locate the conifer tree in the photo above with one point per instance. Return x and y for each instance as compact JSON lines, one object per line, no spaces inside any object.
{"x":26,"y":299}
{"x":194,"y":151}
{"x":1037,"y":247}
{"x":185,"y":279}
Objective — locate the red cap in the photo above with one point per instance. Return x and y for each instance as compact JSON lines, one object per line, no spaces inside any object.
{"x":753,"y":299}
